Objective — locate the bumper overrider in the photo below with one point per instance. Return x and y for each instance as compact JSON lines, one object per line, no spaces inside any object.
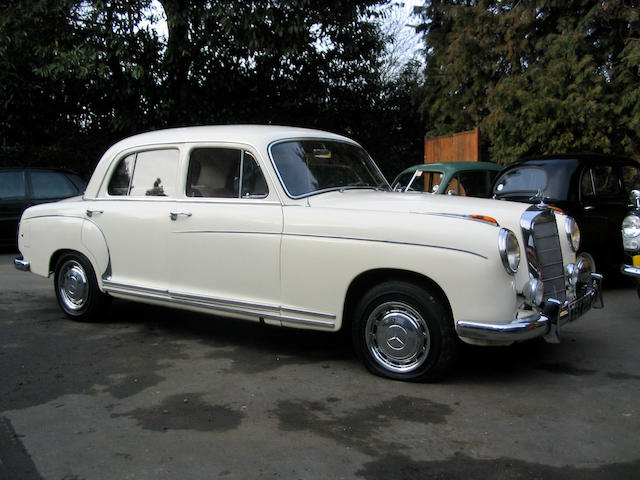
{"x":546,"y":322}
{"x":632,"y":267}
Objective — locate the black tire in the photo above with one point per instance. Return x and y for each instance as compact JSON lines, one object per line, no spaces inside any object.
{"x":77,"y":289}
{"x":404,"y":332}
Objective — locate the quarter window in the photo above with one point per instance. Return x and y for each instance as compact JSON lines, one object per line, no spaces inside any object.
{"x":224,"y":173}
{"x":121,"y":179}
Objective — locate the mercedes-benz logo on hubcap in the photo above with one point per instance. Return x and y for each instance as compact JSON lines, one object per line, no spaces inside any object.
{"x":397,"y":339}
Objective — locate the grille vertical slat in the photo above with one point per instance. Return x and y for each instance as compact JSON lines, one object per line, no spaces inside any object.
{"x":548,"y":255}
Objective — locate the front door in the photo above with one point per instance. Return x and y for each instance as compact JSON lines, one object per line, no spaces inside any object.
{"x":224,"y":239}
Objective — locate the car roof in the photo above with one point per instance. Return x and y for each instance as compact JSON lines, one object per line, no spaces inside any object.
{"x":258,"y":136}
{"x":38,"y":169}
{"x":453,"y":166}
{"x":579,"y":158}
{"x":248,"y":134}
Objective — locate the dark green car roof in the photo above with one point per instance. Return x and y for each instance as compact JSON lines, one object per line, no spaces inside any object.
{"x":453,"y":167}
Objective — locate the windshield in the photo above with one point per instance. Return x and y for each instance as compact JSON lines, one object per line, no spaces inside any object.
{"x":525,"y":181}
{"x":311,"y":166}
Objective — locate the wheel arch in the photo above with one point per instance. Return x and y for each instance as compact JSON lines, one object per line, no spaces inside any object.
{"x":371,"y":278}
{"x":55,"y":257}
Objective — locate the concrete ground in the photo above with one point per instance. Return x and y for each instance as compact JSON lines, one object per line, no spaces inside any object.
{"x":158,"y":394}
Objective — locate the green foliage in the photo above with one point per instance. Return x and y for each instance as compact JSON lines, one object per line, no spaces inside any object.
{"x":537,"y":76}
{"x":87,"y":72}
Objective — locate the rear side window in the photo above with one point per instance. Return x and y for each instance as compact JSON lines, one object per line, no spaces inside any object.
{"x":631,"y":178}
{"x":473,"y":183}
{"x":12,"y":185}
{"x":48,"y":185}
{"x":151,"y":173}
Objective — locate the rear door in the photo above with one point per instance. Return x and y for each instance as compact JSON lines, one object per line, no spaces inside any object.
{"x":134,"y":217}
{"x":13,"y":201}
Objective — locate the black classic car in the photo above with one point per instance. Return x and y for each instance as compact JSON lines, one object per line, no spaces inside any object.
{"x":593,"y":189}
{"x":631,"y":240}
{"x":23,"y":187}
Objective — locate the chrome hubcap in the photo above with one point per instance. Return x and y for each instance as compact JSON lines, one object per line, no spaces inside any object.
{"x":397,"y":337}
{"x":73,"y":286}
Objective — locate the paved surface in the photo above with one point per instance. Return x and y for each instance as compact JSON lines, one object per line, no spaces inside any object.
{"x":162,"y":394}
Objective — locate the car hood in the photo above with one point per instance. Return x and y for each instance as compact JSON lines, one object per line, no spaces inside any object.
{"x":506,"y":213}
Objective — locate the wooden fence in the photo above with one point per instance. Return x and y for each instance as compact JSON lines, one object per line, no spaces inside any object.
{"x":463,"y":146}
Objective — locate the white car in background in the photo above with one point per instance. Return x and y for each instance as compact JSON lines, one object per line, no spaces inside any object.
{"x":298,"y":228}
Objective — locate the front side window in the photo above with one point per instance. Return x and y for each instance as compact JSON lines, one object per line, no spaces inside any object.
{"x":601,"y":181}
{"x":224,"y":173}
{"x":12,"y":185}
{"x":312,"y":166}
{"x":48,"y":185}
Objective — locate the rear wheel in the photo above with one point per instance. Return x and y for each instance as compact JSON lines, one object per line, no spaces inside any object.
{"x":402,"y":331}
{"x":77,"y":288}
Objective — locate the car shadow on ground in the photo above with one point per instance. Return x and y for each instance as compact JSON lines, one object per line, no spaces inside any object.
{"x":255,"y":347}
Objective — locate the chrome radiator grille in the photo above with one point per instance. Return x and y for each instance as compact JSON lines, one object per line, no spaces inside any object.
{"x":543,"y":252}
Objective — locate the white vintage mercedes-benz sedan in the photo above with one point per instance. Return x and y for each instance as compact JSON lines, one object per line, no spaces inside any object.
{"x":298,"y":228}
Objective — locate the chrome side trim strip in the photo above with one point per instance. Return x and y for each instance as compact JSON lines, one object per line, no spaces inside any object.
{"x":305,"y":321}
{"x":393,"y":242}
{"x":271,"y":312}
{"x":234,"y":304}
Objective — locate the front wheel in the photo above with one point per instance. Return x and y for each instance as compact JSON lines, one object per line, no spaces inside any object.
{"x":77,"y":288}
{"x":404,"y":332}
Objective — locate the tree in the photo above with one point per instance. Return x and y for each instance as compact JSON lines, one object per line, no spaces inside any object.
{"x":537,"y":76}
{"x":83,"y":73}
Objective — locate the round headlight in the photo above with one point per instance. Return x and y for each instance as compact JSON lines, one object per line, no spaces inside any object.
{"x":631,"y":226}
{"x":509,"y":250}
{"x":573,"y":233}
{"x":631,"y":232}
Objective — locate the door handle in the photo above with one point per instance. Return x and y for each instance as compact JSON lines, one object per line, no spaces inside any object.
{"x":90,"y":213}
{"x":174,"y":215}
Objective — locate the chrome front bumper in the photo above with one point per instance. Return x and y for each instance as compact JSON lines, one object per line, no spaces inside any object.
{"x":546,"y":323}
{"x":21,"y":264}
{"x":630,"y":270}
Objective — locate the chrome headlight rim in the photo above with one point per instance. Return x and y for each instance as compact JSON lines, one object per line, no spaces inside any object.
{"x":509,"y":249}
{"x":573,"y":233}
